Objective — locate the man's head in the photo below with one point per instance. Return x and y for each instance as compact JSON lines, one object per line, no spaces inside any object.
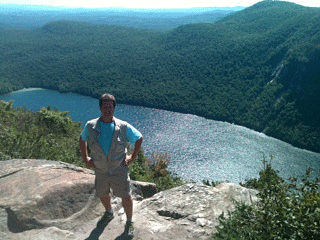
{"x":107,"y":97}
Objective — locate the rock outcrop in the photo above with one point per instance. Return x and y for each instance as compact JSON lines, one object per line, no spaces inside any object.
{"x":42,"y":199}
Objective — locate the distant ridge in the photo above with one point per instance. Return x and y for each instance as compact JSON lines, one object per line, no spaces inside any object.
{"x":26,"y":17}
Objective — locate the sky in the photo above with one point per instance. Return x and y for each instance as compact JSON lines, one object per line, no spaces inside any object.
{"x":149,"y":4}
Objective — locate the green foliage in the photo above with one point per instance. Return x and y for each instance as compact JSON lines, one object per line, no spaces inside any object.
{"x":284,"y":210}
{"x":47,"y":134}
{"x":154,"y":169}
{"x":54,"y":119}
{"x":212,"y":183}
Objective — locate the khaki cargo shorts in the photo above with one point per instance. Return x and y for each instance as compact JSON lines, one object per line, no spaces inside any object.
{"x":118,"y":183}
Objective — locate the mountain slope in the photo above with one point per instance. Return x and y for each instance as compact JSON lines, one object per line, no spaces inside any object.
{"x":258,"y":67}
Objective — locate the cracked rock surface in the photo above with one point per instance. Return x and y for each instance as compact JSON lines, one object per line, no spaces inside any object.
{"x":42,"y":199}
{"x":190,"y":211}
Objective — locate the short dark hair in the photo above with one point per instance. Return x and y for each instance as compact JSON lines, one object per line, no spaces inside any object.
{"x":107,"y":97}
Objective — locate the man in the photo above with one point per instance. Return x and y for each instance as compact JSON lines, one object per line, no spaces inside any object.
{"x":107,"y":139}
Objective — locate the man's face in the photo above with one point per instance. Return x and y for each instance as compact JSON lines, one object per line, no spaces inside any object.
{"x":107,"y":108}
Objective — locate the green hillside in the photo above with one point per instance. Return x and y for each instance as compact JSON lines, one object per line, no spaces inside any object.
{"x":258,"y":67}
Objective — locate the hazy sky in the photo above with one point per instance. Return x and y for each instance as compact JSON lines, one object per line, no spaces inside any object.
{"x":149,"y":3}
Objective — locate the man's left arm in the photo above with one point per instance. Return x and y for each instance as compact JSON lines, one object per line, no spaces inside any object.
{"x":131,"y":158}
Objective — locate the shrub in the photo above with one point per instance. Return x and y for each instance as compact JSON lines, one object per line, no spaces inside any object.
{"x":154,"y":169}
{"x":286,"y":210}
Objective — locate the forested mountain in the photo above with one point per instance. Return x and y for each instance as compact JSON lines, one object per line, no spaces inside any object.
{"x":30,"y":17}
{"x":259,"y":67}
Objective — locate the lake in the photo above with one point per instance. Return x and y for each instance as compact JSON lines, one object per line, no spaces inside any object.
{"x":199,"y":148}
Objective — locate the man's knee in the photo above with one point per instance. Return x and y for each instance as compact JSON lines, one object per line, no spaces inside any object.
{"x":127,"y":199}
{"x":106,"y":198}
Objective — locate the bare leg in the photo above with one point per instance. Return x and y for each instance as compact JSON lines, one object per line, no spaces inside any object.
{"x":106,"y":201}
{"x":108,"y":215}
{"x":128,"y":207}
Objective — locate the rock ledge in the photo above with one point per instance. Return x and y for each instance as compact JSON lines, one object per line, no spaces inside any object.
{"x":42,"y":199}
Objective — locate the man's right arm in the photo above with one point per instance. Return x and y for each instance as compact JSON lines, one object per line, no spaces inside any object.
{"x":84,"y":150}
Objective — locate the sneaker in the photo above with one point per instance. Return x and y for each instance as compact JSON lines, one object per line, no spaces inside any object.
{"x":105,"y":219}
{"x":129,"y":229}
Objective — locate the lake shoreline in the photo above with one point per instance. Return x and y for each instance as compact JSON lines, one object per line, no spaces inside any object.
{"x":164,"y":109}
